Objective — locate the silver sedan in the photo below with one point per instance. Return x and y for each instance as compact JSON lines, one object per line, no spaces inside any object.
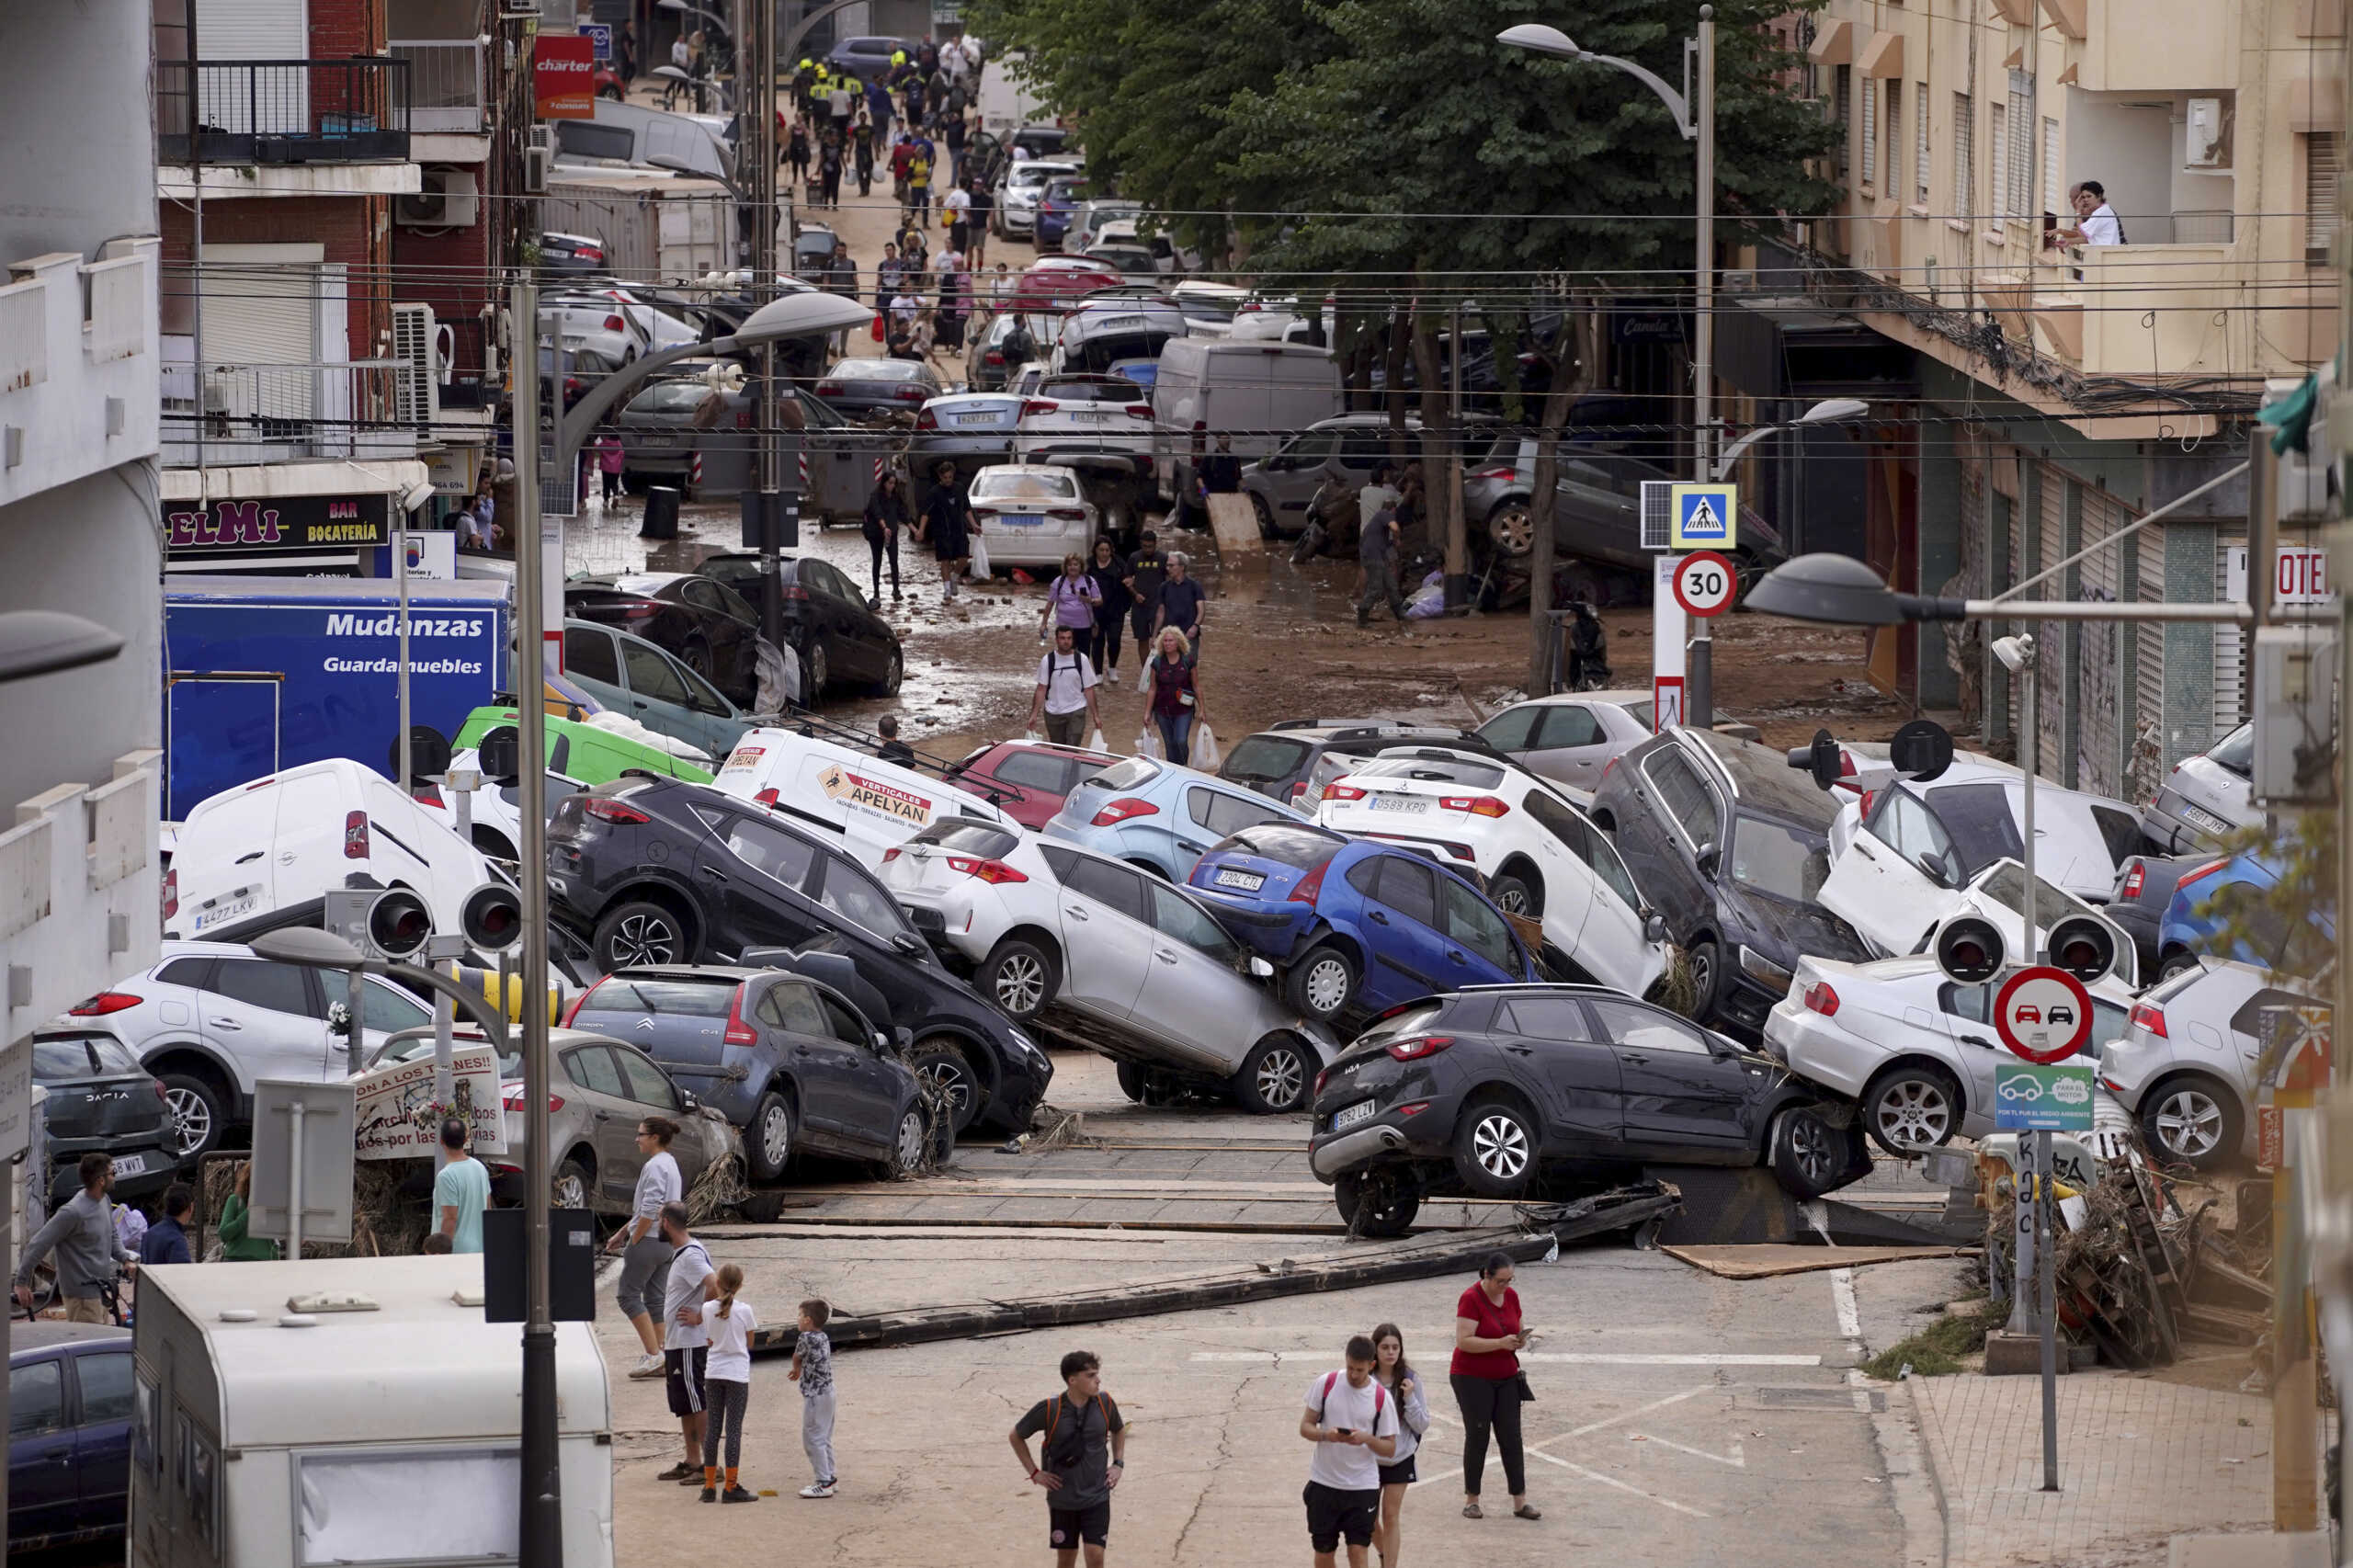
{"x":1570,"y":739}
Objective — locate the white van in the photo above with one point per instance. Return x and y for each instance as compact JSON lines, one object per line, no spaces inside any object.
{"x":293,"y":835}
{"x":1257,"y":392}
{"x":633,"y":133}
{"x":868,"y":805}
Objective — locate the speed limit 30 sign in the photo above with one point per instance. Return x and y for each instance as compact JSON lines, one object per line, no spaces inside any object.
{"x":1705,"y":583}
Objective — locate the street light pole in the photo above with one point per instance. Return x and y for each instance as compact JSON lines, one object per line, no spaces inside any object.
{"x":1699,"y":693}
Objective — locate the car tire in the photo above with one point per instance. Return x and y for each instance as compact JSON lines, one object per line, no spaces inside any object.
{"x":1809,"y":1156}
{"x":1321,"y":984}
{"x":1917,"y":1099}
{"x":1131,"y":1076}
{"x":1266,"y":517}
{"x":909,"y":1144}
{"x":1515,"y":894}
{"x":640,"y":933}
{"x":1511,"y":528}
{"x":1495,"y":1147}
{"x":940,"y":1062}
{"x":202,"y":1111}
{"x":697,"y":654}
{"x":768,"y":1139}
{"x":1706,"y":962}
{"x":817,"y":672}
{"x":2189,"y":1121}
{"x":893,"y":672}
{"x":2176,"y":963}
{"x":1376,"y":1204}
{"x":1276,"y":1076}
{"x":1020,"y":978}
{"x":572,"y":1187}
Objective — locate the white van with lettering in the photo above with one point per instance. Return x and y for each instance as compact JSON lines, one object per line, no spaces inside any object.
{"x":869,"y":806}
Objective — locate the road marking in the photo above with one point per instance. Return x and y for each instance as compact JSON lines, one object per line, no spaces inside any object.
{"x":1243,"y":1355}
{"x":1620,"y":1485}
{"x":1738,"y":1459}
{"x":1590,"y":1427}
{"x":1569,"y":1357}
{"x":1842,"y":1296}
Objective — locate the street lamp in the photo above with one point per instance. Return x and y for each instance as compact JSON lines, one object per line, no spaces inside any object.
{"x":43,"y":642}
{"x":1829,"y":411}
{"x":1839,"y":590}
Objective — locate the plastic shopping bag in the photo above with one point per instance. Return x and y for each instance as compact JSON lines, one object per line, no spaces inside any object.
{"x":1094,"y":740}
{"x":1143,"y":677}
{"x":1204,"y":748}
{"x":1148,"y":745}
{"x":980,"y":566}
{"x":1031,"y":737}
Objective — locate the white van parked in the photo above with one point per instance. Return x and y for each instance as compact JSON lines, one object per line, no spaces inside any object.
{"x":1253,"y":392}
{"x":293,"y":835}
{"x":867,"y":805}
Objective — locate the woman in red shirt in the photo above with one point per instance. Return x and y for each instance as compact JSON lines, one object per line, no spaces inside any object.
{"x":1488,"y":1336}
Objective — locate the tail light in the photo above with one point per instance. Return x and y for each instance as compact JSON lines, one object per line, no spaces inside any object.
{"x":829,"y":389}
{"x":765,"y":798}
{"x":2134,"y":879}
{"x":738,"y":1031}
{"x":171,"y":893}
{"x":1496,"y":473}
{"x":1821,"y":999}
{"x":605,"y":809}
{"x":1122,"y":809}
{"x":1414,"y":1047}
{"x":1605,"y":772}
{"x":1069,"y":514}
{"x":993,"y":358}
{"x":105,"y":1002}
{"x":590,"y":253}
{"x":1320,"y":1078}
{"x":926,"y":420}
{"x":1138,"y":410}
{"x":582,"y":1001}
{"x":1039,"y":405}
{"x":162,"y":1092}
{"x":907,"y":394}
{"x":513,"y":1100}
{"x":1143,"y":463}
{"x":2201,"y":874}
{"x":1298,"y":788}
{"x":615,"y":324}
{"x":1342,"y":791}
{"x":993,"y":872}
{"x":890,"y":854}
{"x":1869,"y":796}
{"x":743,"y":419}
{"x":1477,"y":806}
{"x":2150,"y":1016}
{"x":355,"y":835}
{"x":1310,"y":887}
{"x":427,"y":795}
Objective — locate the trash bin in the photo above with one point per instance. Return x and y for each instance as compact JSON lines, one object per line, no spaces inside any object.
{"x":661,"y":513}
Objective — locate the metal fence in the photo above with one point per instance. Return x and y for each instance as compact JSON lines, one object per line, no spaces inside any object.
{"x":254,"y":414}
{"x":281,"y":111}
{"x":445,"y":85}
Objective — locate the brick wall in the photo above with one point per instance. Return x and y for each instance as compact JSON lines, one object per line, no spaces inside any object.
{"x":351,"y":228}
{"x":449,"y":270}
{"x":341,"y":29}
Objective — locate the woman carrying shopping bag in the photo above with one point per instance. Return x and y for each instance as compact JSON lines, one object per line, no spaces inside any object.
{"x":1176,"y":700}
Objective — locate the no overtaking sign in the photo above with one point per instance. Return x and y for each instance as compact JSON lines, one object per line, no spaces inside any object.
{"x":2042,"y":1014}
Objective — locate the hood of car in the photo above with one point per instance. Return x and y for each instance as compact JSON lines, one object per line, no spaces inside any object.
{"x":1796,"y":930}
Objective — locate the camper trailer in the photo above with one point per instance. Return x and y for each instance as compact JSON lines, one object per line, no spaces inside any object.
{"x":270,"y":1437}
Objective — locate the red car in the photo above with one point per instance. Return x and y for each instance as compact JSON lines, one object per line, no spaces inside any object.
{"x":1045,"y":288}
{"x":1027,"y":778}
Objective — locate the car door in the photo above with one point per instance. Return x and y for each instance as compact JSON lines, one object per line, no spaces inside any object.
{"x":651,"y":1093}
{"x":109,"y":1394}
{"x":612,"y":1120}
{"x":1891,"y":885}
{"x":821,"y":1066}
{"x":1195,"y":997}
{"x":1108,"y":936}
{"x":869,"y":1124}
{"x":384,"y":1011}
{"x":1571,"y":895}
{"x":1291,"y":475}
{"x":1685,"y":1098}
{"x":730,"y":637}
{"x":272,"y":1019}
{"x":1552,"y":1042}
{"x":652,"y":680}
{"x":750,"y":874}
{"x":43,"y":1495}
{"x":1570,"y":746}
{"x":1687,"y":816}
{"x":843,"y":608}
{"x":1480,"y":946}
{"x":591,"y":660}
{"x":1408,"y":956}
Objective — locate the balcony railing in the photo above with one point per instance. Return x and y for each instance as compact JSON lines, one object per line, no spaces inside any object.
{"x":281,"y":111}
{"x":263,"y":413}
{"x":445,"y":85}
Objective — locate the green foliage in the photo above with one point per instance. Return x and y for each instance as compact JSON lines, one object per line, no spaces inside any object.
{"x":1937,"y":1350}
{"x":2284,"y":927}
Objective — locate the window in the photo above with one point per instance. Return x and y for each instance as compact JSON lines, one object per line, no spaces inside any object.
{"x":1472,"y":921}
{"x":1841,"y":111}
{"x":1689,"y":799}
{"x":363,"y":1507}
{"x":1587,"y":845}
{"x":650,"y":674}
{"x":36,"y":1399}
{"x":648,"y":1084}
{"x":2051,"y":166}
{"x":1292,"y":844}
{"x":1115,"y":886}
{"x":199,"y":1479}
{"x":63,"y":1060}
{"x":1512,"y":730}
{"x":590,"y":655}
{"x":384,"y":1008}
{"x":1965,"y":154}
{"x":702,"y":696}
{"x":1871,"y":128}
{"x":1920,"y":143}
{"x":1311,"y":449}
{"x":274,"y":987}
{"x":1907,"y":825}
{"x":1890,"y":141}
{"x":792,"y":1007}
{"x":700,"y":592}
{"x":1999,"y":205}
{"x":1181,"y":920}
{"x":2019,"y":171}
{"x":2320,"y":195}
{"x":1405,"y":887}
{"x":1547,"y":1017}
{"x":1774,"y":857}
{"x":848,"y":894}
{"x":108,"y":1389}
{"x":1033,"y":770}
{"x":1570,"y":725}
{"x":194,"y":972}
{"x":770,"y":851}
{"x":1365,"y":449}
{"x":147,"y":1431}
{"x":846,"y":1025}
{"x":1639,"y":1028}
{"x":1260,"y":759}
{"x":961,"y":836}
{"x":592,"y":1068}
{"x":1225,"y":814}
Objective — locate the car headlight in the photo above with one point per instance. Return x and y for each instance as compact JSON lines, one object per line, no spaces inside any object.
{"x":1764,"y":970}
{"x":1025,"y":1042}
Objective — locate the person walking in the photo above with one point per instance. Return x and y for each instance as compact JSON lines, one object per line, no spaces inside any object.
{"x":956,"y":208}
{"x":1147,"y":570}
{"x":955,"y":302}
{"x":1066,"y":682}
{"x":1377,"y":554}
{"x":812,"y":1369}
{"x":1071,"y":602}
{"x":886,"y":276}
{"x":862,"y":148}
{"x":1181,"y":598}
{"x":685,"y":1343}
{"x":645,"y":1257}
{"x":1488,"y":1336}
{"x":919,"y":188}
{"x":984,"y":205}
{"x":886,"y":515}
{"x":1397,"y":1472}
{"x":1081,"y":1462}
{"x":902,"y":153}
{"x":1352,"y":1421}
{"x":460,"y":1188}
{"x":796,"y":153}
{"x":82,"y":1235}
{"x":610,"y":456}
{"x":238,"y":1244}
{"x":947,"y":527}
{"x":1176,"y":700}
{"x":1113,"y":604}
{"x":892,"y":748}
{"x":167,"y":1239}
{"x":730,"y":1322}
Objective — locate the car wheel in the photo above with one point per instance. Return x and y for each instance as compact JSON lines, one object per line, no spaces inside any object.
{"x":640,"y":933}
{"x":1706,"y":962}
{"x":893,"y":672}
{"x":940,"y":1063}
{"x":1807,"y":1153}
{"x":696,"y":654}
{"x":1911,"y":1108}
{"x":1376,"y":1203}
{"x":1265,"y":518}
{"x":2187,"y":1121}
{"x":1495,"y":1148}
{"x":2178,"y":961}
{"x":1275,"y":1077}
{"x":1516,"y":894}
{"x":817,"y":672}
{"x":1321,"y":984}
{"x":198,"y":1112}
{"x":1511,"y":528}
{"x":768,"y":1138}
{"x":907,"y":1147}
{"x":570,"y":1189}
{"x":1020,"y":977}
{"x":1131,"y":1078}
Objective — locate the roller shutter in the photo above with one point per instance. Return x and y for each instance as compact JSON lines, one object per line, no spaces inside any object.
{"x":2100,"y":649}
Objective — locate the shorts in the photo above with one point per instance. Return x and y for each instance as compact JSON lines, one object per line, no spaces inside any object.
{"x":1399,"y":1474}
{"x":682,"y":1376}
{"x":1067,"y":1528}
{"x":1332,"y":1513}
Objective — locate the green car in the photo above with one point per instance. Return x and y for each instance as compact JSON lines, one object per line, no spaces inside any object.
{"x":582,"y":751}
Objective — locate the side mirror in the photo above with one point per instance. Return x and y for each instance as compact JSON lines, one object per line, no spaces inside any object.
{"x":1934,"y":864}
{"x":1653,"y":927}
{"x":687,"y":1099}
{"x":1261,"y":969}
{"x":904,"y":1036}
{"x":911,"y":946}
{"x":882,"y":1040}
{"x":1709,"y":860}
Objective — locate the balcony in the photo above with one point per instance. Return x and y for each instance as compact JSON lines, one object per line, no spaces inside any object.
{"x":77,"y":366}
{"x":78,"y":890}
{"x":272,"y":413}
{"x":2146,"y":311}
{"x":445,"y":86}
{"x":282,"y":111}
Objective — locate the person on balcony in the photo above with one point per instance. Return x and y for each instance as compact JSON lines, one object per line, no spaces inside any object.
{"x":2099,"y":226}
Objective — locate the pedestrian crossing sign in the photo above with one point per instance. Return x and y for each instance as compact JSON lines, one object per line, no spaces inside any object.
{"x":1704,"y":517}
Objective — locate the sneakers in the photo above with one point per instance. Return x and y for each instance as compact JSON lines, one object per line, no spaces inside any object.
{"x":711,"y":1494}
{"x":690,"y":1474}
{"x":739,"y":1495}
{"x":818,"y":1489}
{"x":647,"y":1366}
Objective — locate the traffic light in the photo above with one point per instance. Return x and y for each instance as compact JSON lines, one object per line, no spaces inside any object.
{"x":1969,"y":949}
{"x":491,"y":917}
{"x":2084,"y":945}
{"x":391,"y":924}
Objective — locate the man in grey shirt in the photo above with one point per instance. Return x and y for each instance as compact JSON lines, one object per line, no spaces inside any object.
{"x":1376,"y":554}
{"x":82,"y":1234}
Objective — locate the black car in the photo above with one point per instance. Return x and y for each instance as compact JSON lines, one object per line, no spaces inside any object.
{"x":791,"y":1060}
{"x":101,"y":1100}
{"x":71,"y":1401}
{"x":868,"y":59}
{"x":879,"y":386}
{"x":698,"y":619}
{"x":1493,"y":1088}
{"x":1732,"y":846}
{"x":657,"y":871}
{"x":572,"y":254}
{"x":840,"y":638}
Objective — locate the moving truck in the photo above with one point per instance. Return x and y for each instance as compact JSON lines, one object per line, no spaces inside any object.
{"x":264,"y":673}
{"x":267,"y":1436}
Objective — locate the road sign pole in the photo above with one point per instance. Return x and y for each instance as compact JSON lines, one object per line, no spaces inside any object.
{"x":2046,"y":1301}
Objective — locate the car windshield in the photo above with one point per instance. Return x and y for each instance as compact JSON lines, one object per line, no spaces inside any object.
{"x":678,"y":998}
{"x":965,"y":836}
{"x":1028,"y":486}
{"x":875,"y":370}
{"x":1302,"y":847}
{"x":413,"y":1047}
{"x":1432,"y":770}
{"x":2236,"y":752}
{"x":1129,"y":775}
{"x":1105,"y":390}
{"x":1260,"y":759}
{"x":1777,"y":859}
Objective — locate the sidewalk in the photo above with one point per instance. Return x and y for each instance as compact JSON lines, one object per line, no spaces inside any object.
{"x":2139,"y":1461}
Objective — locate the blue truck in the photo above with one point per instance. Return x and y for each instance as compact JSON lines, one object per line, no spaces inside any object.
{"x":262,"y":673}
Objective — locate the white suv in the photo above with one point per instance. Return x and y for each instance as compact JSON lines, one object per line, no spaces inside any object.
{"x":865,"y":805}
{"x":1539,"y":855}
{"x":209,"y":1017}
{"x":2187,"y":1064}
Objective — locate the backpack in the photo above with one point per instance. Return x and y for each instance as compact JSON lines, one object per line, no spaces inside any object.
{"x":1380,"y":1398}
{"x":1053,"y":1417}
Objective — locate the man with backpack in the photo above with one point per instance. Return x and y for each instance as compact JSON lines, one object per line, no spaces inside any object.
{"x":1066,"y":695}
{"x":1353,"y":1424}
{"x":1081,"y":1462}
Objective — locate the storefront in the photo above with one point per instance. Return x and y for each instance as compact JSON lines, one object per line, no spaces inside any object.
{"x":313,"y":536}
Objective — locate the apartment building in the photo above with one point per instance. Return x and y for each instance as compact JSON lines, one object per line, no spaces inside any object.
{"x":2035,"y":397}
{"x":79,"y":530}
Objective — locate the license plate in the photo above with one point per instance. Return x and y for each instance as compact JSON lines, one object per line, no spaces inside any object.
{"x":974,"y":418}
{"x":2205,"y":819}
{"x":229,"y":911}
{"x":1410,"y":804}
{"x":1022,"y":519}
{"x":1350,"y":1115}
{"x":1249,"y":882}
{"x":131,"y":1164}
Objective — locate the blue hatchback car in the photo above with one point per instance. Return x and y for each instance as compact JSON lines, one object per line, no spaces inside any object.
{"x":2228,"y":891}
{"x":1355,"y":925}
{"x":1160,"y":817}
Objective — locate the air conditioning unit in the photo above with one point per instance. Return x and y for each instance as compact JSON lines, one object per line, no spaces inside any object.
{"x":450,"y":199}
{"x":2206,"y":135}
{"x":417,"y":401}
